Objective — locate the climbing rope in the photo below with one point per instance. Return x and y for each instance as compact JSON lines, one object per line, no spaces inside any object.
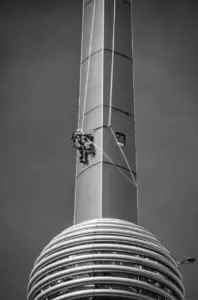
{"x":112,"y":64}
{"x":83,"y":13}
{"x":88,"y":65}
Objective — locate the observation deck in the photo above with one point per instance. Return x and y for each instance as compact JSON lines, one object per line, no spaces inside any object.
{"x":105,"y":259}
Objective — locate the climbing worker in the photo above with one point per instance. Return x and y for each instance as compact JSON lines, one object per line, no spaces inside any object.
{"x":77,"y":143}
{"x":78,"y":132}
{"x":87,"y":149}
{"x":83,"y":143}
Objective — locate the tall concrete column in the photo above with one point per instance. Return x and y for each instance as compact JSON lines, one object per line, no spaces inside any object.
{"x":101,"y":190}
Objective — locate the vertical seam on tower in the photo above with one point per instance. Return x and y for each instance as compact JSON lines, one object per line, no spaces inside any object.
{"x":102,"y":130}
{"x":81,"y":54}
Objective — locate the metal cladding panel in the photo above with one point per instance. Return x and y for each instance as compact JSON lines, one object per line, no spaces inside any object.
{"x":122,"y":26}
{"x":89,"y":194}
{"x":122,"y":109}
{"x":125,"y":125}
{"x":94,"y":93}
{"x":122,"y":87}
{"x":119,"y":196}
{"x":93,"y":120}
{"x":97,"y":39}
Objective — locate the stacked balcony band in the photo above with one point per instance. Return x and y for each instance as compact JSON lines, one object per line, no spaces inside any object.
{"x":105,"y":259}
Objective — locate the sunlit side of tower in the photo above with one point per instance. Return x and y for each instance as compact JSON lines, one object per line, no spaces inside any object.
{"x":105,"y":254}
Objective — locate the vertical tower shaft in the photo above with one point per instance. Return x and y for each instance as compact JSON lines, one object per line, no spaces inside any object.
{"x":106,"y":98}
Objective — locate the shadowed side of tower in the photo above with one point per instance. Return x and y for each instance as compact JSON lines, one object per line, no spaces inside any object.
{"x":106,"y":98}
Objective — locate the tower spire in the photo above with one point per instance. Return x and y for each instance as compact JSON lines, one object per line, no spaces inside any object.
{"x":106,"y":256}
{"x":106,"y":187}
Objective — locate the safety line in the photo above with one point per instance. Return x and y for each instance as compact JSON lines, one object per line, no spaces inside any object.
{"x":132,"y":48}
{"x":87,"y":3}
{"x":83,"y":12}
{"x":108,"y":50}
{"x":93,"y":53}
{"x":119,"y":166}
{"x":112,"y":63}
{"x":112,"y":107}
{"x":97,"y":163}
{"x":133,"y":178}
{"x":88,"y":66}
{"x":87,"y":168}
{"x":114,"y":164}
{"x":99,"y":127}
{"x":118,"y":53}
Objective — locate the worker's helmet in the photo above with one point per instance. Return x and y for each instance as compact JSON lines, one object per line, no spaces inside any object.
{"x":78,"y":132}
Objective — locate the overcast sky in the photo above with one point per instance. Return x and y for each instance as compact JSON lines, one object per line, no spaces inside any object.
{"x":39,"y":79}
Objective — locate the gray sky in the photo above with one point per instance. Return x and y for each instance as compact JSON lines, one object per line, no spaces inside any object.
{"x":39,"y":79}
